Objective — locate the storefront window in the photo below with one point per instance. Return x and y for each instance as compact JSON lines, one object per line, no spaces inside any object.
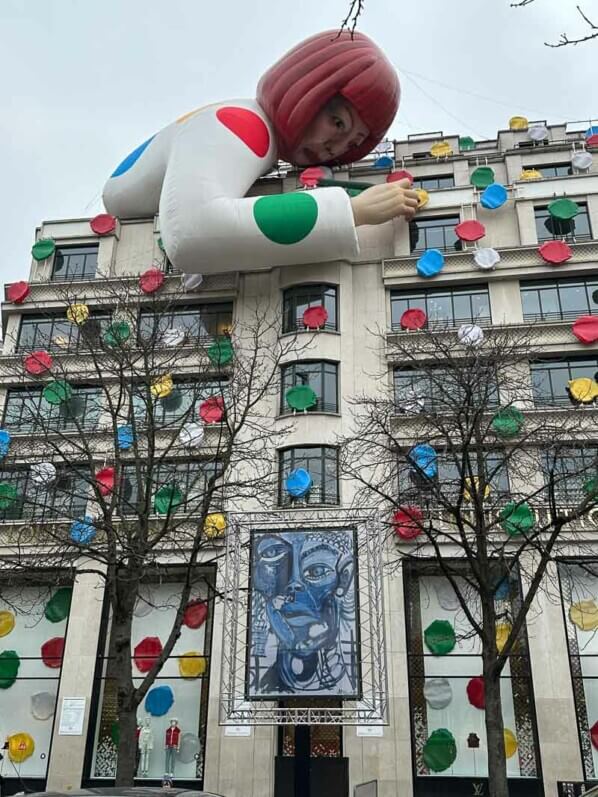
{"x":33,"y":624}
{"x":579,"y":587}
{"x":442,"y":681}
{"x":182,"y":682}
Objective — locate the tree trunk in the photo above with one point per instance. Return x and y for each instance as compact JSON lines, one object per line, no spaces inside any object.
{"x":127,"y":707}
{"x":497,"y":763}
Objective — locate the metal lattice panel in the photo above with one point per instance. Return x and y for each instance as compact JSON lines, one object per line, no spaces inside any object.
{"x":372,"y":707}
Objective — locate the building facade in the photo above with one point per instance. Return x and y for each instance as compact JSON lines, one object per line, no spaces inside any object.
{"x":552,"y":703}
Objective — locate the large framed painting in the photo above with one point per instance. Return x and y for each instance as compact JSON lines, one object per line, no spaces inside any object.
{"x":303,"y":630}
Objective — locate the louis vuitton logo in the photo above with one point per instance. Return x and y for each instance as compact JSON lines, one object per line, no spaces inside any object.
{"x":478,"y":789}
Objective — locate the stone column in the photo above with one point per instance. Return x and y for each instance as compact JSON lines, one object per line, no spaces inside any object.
{"x":68,"y":752}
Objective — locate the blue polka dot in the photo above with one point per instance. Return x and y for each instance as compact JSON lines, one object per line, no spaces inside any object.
{"x":494,"y":196}
{"x":430,"y":263}
{"x":131,"y":158}
{"x":159,"y":700}
{"x":591,"y":131}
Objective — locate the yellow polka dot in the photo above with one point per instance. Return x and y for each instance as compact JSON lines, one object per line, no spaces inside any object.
{"x":7,"y":623}
{"x":510,"y":743}
{"x":502,"y":634}
{"x":584,"y":615}
{"x":192,"y":664}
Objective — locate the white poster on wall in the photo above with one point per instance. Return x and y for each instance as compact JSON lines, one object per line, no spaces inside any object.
{"x":72,"y":716}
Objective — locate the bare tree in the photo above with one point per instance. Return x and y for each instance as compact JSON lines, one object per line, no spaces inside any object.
{"x":565,"y":39}
{"x":132,"y":472}
{"x":478,"y":479}
{"x":350,"y":21}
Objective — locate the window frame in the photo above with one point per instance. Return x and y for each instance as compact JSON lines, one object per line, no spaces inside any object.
{"x":536,"y":286}
{"x":420,"y":182}
{"x":560,"y":364}
{"x":327,"y":454}
{"x":161,"y":411}
{"x":72,"y":250}
{"x":432,"y":395}
{"x":566,"y":236}
{"x":420,"y":297}
{"x":422,"y":244}
{"x":74,"y":506}
{"x":206,"y":468}
{"x":323,"y":405}
{"x":289,"y":305}
{"x":90,"y":393}
{"x":573,"y":493}
{"x":551,"y":166}
{"x":40,"y":340}
{"x":201,"y":310}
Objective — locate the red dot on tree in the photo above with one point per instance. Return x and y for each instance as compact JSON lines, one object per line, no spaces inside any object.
{"x":476,"y":692}
{"x":195,"y":614}
{"x":146,"y":653}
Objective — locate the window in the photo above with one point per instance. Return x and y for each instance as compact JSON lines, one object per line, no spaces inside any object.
{"x":65,"y":498}
{"x":579,"y":586}
{"x":552,"y":169}
{"x":34,"y":626}
{"x":559,"y":300}
{"x":577,"y":229}
{"x":435,"y":232}
{"x":550,"y":378}
{"x":190,"y":477}
{"x":434,"y":183}
{"x":75,"y":263}
{"x":438,"y":683}
{"x":200,"y":322}
{"x":570,"y":470}
{"x":26,"y":410}
{"x":443,"y":390}
{"x":413,"y":486}
{"x":184,"y":677}
{"x":322,"y":377}
{"x":296,"y":301}
{"x":55,"y":333}
{"x":181,"y":406}
{"x":321,"y":462}
{"x":444,"y":307}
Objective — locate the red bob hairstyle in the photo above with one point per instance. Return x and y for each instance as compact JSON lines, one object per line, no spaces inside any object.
{"x":300,"y":84}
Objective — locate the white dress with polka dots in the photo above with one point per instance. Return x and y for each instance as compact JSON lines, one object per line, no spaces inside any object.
{"x":196,"y":172}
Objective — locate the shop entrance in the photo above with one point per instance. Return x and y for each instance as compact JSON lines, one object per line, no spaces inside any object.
{"x":310,"y":762}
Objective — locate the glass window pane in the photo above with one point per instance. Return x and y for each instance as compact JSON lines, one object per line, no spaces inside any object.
{"x":549,"y":299}
{"x":531,"y":304}
{"x":440,"y":308}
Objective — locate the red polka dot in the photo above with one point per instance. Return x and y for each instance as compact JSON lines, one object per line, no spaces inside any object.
{"x":401,"y":174}
{"x":151,"y":280}
{"x":212,"y":409}
{"x":38,"y":362}
{"x":585,"y":329}
{"x":415,"y":318}
{"x":555,"y":252}
{"x":195,"y":614}
{"x":52,"y":652}
{"x":17,"y":292}
{"x":470,"y":230}
{"x":315,"y":317}
{"x":476,"y":692}
{"x":247,"y":126}
{"x":103,"y":224}
{"x":146,"y":653}
{"x":407,"y":522}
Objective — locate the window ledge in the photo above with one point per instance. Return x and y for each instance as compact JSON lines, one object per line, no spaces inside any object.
{"x":310,"y":332}
{"x":284,"y":415}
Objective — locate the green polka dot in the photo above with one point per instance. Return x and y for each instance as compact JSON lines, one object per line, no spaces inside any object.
{"x":43,"y":248}
{"x":286,"y":218}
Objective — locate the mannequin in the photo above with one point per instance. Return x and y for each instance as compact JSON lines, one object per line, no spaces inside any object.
{"x":146,"y":745}
{"x":172,"y":740}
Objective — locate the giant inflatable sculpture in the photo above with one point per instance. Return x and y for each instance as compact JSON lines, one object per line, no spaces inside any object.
{"x":329,"y":100}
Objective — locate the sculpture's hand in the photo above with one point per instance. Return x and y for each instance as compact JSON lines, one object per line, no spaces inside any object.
{"x":384,"y":202}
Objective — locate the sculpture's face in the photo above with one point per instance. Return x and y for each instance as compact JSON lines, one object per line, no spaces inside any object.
{"x":336,"y":129}
{"x":300,"y":579}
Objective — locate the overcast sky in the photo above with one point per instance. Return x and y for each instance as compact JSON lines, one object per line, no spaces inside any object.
{"x":83,"y":83}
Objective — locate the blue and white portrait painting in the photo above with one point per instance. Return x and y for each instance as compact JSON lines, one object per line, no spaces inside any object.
{"x":303,"y":636}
